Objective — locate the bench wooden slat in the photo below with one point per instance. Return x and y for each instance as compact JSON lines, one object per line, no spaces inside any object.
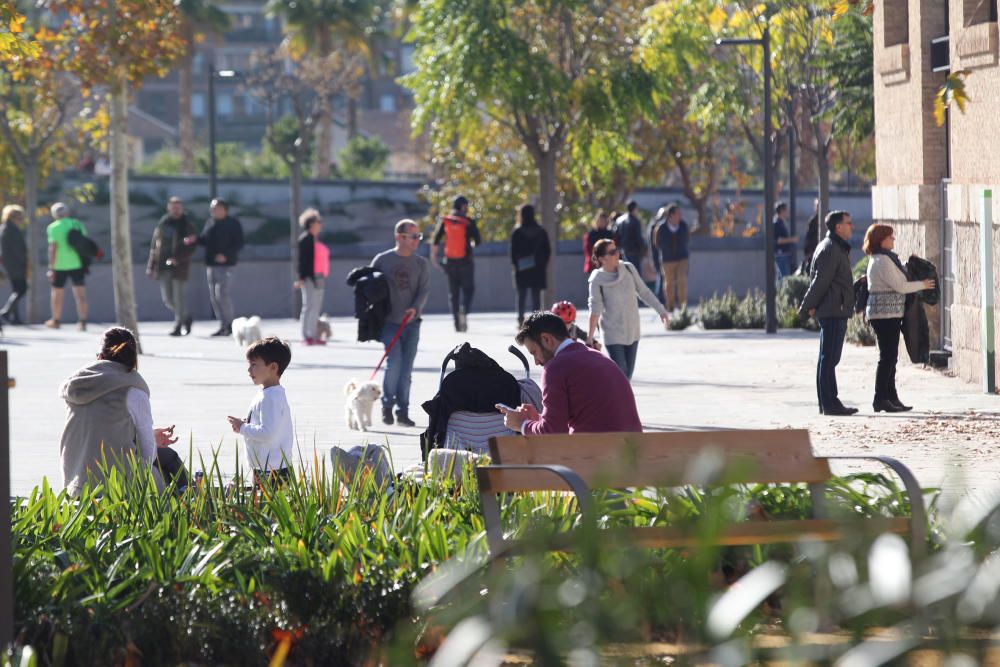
{"x":741,"y":534}
{"x":658,"y":459}
{"x":761,"y":532}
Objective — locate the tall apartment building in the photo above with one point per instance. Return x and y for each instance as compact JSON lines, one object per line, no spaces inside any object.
{"x":384,"y":109}
{"x":931,"y":178}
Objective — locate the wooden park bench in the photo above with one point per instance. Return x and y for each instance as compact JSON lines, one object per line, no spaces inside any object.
{"x":579,"y":462}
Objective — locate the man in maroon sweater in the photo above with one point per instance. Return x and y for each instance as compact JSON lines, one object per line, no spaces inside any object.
{"x":582,"y":390}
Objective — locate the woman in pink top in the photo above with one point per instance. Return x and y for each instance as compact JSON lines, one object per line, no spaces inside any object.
{"x":314,"y":267}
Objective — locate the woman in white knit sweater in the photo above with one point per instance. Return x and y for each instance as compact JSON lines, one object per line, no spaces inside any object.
{"x":614,"y":288}
{"x":887,"y":289}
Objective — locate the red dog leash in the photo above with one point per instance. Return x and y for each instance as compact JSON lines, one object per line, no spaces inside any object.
{"x":392,"y":343}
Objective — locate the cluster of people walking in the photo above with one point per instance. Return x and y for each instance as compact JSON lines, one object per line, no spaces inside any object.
{"x":109,"y":411}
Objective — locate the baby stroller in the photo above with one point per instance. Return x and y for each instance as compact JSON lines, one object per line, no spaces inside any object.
{"x":463,"y":415}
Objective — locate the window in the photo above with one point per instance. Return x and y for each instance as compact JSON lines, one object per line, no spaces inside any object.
{"x":387,"y":103}
{"x":406,"y":59}
{"x":896,"y":16}
{"x":979,"y":11}
{"x":198,"y":105}
{"x":157,"y":105}
{"x":252,"y":106}
{"x":224,"y":104}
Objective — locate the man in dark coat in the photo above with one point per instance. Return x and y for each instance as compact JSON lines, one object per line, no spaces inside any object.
{"x":14,"y":253}
{"x":628,"y":228}
{"x":170,"y":250}
{"x":223,"y":240}
{"x":830,"y":299}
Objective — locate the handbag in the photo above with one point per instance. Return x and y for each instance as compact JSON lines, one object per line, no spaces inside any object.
{"x":525,"y":263}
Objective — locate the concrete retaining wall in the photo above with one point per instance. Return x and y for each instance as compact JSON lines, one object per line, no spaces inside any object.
{"x":262,"y":284}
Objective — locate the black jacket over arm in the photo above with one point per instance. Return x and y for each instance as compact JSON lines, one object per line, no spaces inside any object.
{"x":307,"y":259}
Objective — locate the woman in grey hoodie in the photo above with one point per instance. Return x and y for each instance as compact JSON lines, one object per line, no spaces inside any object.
{"x":614,"y":288}
{"x":108,"y":415}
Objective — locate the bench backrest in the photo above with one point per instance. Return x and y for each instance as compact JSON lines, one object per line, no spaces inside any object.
{"x":614,"y":460}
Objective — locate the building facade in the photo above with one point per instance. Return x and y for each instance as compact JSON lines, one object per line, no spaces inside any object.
{"x":931,"y":177}
{"x":383,"y":108}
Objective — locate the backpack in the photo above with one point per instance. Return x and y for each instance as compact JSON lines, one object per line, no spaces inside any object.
{"x":85,"y":247}
{"x":860,"y":294}
{"x":456,"y":236}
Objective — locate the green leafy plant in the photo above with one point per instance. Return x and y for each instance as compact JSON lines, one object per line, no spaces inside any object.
{"x":791,"y":291}
{"x":718,"y":311}
{"x":364,"y":158}
{"x":751,"y":311}
{"x":860,"y":268}
{"x":860,"y":332}
{"x":681,"y":320}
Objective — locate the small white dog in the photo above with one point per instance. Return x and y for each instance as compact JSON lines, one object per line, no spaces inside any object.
{"x":246,"y":330}
{"x":361,"y":398}
{"x":324,"y":330}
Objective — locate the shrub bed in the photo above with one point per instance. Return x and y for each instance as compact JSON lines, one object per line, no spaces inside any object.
{"x":320,"y":572}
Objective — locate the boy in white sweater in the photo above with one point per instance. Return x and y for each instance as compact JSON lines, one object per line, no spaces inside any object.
{"x":267,"y":430}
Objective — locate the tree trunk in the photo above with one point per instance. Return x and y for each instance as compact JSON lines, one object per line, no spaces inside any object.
{"x":823,"y":170}
{"x":37,"y":284}
{"x":295,"y":207}
{"x":184,"y":102}
{"x":352,"y":118}
{"x":121,"y":241}
{"x":701,"y":207}
{"x":324,"y":135}
{"x":324,"y":120}
{"x":545,"y":162}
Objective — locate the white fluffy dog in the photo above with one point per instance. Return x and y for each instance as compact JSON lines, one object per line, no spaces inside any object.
{"x":361,"y":398}
{"x":246,"y":330}
{"x":323,"y":328}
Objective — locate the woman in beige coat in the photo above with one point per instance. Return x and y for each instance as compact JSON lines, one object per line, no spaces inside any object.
{"x":888,"y":286}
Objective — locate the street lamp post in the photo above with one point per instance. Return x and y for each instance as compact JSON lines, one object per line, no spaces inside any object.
{"x":213,"y":180}
{"x":769,"y":269}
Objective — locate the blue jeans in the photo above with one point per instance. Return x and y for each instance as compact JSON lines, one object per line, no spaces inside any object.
{"x":624,"y":356}
{"x":399,"y":365}
{"x":831,"y":343}
{"x":784,"y":265}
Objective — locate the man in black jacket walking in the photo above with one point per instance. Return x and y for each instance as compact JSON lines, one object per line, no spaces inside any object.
{"x":830,"y":299}
{"x":630,"y":238}
{"x":223,"y":240}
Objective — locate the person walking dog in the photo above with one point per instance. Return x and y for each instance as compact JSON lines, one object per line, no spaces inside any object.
{"x":314,"y":267}
{"x":409,"y":287}
{"x":830,"y":299}
{"x":888,"y":286}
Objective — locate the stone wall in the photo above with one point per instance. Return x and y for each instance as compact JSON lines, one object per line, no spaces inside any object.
{"x":917,"y":160}
{"x":262,"y":280}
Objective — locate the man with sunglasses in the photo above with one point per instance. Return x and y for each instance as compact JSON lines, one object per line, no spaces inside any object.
{"x":409,"y":286}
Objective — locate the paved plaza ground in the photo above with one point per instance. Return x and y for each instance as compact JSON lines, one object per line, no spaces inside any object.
{"x":684,"y":380}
